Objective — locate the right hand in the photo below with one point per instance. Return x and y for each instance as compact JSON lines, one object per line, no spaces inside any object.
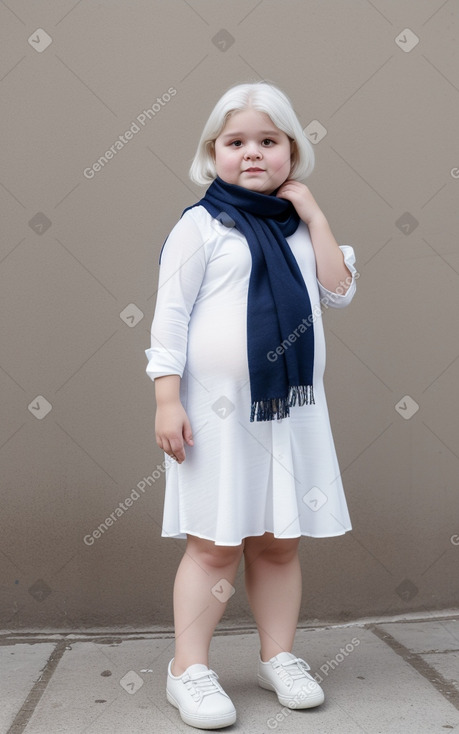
{"x":173,"y":429}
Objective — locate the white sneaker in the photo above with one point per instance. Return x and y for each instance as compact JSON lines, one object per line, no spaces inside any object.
{"x":199,"y":697}
{"x":289,"y":677}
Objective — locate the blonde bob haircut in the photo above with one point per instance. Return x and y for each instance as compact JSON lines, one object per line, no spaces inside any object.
{"x":263,"y":97}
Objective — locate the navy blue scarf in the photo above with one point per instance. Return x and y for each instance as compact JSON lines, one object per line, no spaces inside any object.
{"x":278,"y":305}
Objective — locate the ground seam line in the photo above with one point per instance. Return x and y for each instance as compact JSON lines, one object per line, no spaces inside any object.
{"x":24,"y":714}
{"x":436,"y":679}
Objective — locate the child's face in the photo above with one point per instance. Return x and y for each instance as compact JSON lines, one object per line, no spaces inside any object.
{"x":252,"y":152}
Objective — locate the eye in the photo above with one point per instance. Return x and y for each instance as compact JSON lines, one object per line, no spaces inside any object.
{"x":267,"y":142}
{"x":236,"y":143}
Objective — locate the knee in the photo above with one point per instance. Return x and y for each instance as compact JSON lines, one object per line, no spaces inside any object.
{"x":276,"y":551}
{"x":210,"y":555}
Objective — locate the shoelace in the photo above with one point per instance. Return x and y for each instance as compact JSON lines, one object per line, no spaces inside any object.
{"x":202,"y":684}
{"x":298,"y":669}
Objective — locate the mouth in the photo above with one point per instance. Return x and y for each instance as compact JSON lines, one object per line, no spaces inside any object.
{"x":254,"y":170}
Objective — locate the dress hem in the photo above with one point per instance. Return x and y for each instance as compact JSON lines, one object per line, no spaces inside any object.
{"x":182,"y":536}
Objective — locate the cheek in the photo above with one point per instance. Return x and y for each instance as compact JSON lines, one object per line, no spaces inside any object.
{"x":225,"y":161}
{"x":283,"y":161}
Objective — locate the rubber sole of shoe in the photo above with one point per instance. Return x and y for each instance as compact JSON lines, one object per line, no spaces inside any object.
{"x":216,"y":722}
{"x":294,"y":702}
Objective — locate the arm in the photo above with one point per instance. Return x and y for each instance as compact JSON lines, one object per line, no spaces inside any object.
{"x":331,"y":269}
{"x":182,"y":269}
{"x":172,"y":426}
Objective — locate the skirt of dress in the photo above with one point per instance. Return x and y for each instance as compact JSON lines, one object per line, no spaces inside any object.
{"x":243,"y":479}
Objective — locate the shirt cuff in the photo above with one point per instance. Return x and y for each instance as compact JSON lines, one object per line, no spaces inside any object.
{"x":163,"y":362}
{"x":341,"y":299}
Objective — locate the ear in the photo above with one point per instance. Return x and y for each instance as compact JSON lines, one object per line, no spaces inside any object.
{"x":210,"y":145}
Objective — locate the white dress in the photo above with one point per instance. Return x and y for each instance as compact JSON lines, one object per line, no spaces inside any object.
{"x":240,"y":478}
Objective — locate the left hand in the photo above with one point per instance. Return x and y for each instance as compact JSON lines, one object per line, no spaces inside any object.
{"x":302,"y":199}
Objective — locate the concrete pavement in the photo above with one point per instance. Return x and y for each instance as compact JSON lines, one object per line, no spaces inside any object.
{"x":388,"y":676}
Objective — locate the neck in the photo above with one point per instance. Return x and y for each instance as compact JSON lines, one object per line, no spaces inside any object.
{"x":242,"y":189}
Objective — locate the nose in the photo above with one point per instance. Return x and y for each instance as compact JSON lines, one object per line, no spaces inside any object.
{"x":252,"y":151}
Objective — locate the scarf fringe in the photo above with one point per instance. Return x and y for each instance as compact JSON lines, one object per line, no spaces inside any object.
{"x":272,"y":408}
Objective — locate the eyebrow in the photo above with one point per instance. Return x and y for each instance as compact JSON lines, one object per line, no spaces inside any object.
{"x":271,"y":133}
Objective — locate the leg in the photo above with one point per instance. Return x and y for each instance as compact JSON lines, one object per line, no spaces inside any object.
{"x":197,"y":610}
{"x":273,"y":584}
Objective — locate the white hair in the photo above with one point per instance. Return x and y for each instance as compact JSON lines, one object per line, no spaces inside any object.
{"x":263,"y":97}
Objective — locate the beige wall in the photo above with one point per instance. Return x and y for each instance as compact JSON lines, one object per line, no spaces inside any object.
{"x":72,"y":294}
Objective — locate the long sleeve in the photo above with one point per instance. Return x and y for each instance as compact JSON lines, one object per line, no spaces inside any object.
{"x":181,"y":273}
{"x":339,"y":300}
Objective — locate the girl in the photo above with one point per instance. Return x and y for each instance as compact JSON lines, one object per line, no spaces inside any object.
{"x":237,"y":356}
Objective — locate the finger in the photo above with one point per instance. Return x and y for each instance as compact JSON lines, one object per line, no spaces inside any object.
{"x":171,"y":455}
{"x":167,"y":448}
{"x":164,"y":444}
{"x":177,"y":450}
{"x":187,"y":433}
